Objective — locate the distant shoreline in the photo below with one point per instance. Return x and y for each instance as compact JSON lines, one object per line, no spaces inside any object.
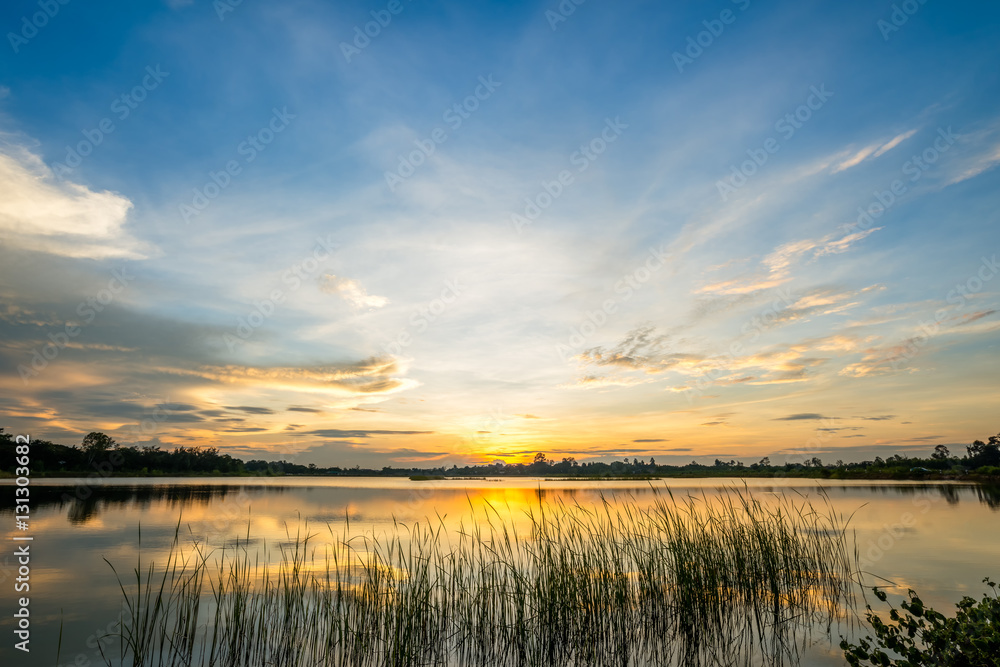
{"x":833,"y":476}
{"x":100,"y":456}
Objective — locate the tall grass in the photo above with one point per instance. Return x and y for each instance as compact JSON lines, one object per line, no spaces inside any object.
{"x":686,"y":581}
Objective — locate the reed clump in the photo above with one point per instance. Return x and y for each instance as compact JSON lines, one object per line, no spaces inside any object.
{"x":684,"y":581}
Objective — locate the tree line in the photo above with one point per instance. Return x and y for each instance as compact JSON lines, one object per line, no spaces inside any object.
{"x":101,"y":453}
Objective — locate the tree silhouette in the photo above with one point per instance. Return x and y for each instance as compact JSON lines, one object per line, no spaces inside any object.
{"x":985,"y":454}
{"x":98,"y":443}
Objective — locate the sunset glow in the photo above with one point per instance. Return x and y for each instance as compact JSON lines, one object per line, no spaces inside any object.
{"x":473,"y":233}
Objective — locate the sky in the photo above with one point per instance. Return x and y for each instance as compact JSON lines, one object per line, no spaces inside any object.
{"x":419,"y":233}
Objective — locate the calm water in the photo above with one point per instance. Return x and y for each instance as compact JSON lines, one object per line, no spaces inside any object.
{"x":939,"y":539}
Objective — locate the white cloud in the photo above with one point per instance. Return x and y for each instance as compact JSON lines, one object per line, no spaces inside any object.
{"x":351,"y":291}
{"x":856,"y":159}
{"x":780,"y":262}
{"x":39,"y":212}
{"x":892,"y":143}
{"x":978,"y":164}
{"x":872,"y":151}
{"x":843,"y":244}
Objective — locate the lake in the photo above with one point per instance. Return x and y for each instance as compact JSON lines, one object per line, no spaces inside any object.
{"x":940,"y":539}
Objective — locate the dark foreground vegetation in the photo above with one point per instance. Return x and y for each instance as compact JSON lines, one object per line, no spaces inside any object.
{"x":100,"y":454}
{"x":692,"y":582}
{"x":921,"y":636}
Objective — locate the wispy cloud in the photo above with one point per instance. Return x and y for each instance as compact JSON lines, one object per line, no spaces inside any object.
{"x":800,"y":416}
{"x":598,"y":381}
{"x":340,"y":433}
{"x":979,"y":165}
{"x":251,"y":409}
{"x":872,"y":151}
{"x":895,"y":141}
{"x":777,"y":267}
{"x":981,"y":152}
{"x":351,"y":291}
{"x":371,"y":376}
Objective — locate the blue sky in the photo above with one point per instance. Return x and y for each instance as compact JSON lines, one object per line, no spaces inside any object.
{"x":318,"y":307}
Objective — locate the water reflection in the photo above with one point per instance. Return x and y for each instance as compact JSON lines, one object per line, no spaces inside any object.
{"x":668,"y":585}
{"x":937,"y":538}
{"x":329,"y":501}
{"x":989,"y":495}
{"x":84,"y":504}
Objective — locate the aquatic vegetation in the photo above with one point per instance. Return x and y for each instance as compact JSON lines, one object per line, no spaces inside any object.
{"x":923,"y":636}
{"x":733,"y":581}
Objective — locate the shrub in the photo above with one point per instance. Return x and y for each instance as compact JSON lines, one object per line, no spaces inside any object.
{"x":923,"y":636}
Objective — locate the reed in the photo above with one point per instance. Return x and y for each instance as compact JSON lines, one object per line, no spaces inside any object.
{"x":683,"y":581}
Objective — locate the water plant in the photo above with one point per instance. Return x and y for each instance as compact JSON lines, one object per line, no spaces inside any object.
{"x":683,"y":581}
